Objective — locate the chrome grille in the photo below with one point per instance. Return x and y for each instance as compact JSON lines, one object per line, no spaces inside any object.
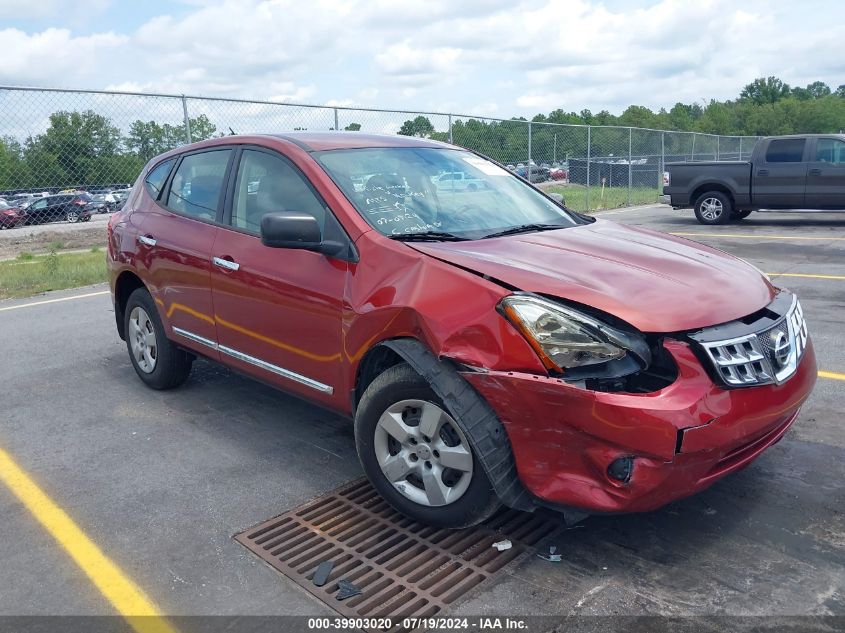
{"x":771,"y":355}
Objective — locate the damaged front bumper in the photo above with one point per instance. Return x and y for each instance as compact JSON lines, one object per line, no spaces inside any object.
{"x":682,"y":438}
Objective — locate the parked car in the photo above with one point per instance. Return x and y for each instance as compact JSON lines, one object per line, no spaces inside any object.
{"x":65,"y":206}
{"x":10,"y":216}
{"x":102,"y":203}
{"x":510,"y":351}
{"x":558,"y":173}
{"x":458,"y":181}
{"x":785,"y":172}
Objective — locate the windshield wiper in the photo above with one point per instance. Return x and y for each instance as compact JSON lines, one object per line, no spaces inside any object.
{"x":428,"y":236}
{"x":525,"y":228}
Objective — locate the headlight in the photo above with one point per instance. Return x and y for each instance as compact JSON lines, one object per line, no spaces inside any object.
{"x":565,"y":338}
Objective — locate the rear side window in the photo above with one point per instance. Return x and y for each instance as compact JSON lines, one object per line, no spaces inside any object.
{"x":830,"y":150}
{"x":197,"y":183}
{"x":155,"y":179}
{"x":786,"y":150}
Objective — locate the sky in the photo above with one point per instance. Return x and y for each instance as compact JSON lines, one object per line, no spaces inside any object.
{"x":476,"y":57}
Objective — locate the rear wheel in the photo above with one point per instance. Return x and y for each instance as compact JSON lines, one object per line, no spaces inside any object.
{"x":713,"y":207}
{"x":72,"y":215}
{"x":157,"y":361}
{"x":417,"y":455}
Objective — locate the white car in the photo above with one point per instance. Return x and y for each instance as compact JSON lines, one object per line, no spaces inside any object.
{"x":458,"y":181}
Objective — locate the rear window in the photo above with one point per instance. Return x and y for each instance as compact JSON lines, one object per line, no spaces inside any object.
{"x":158,"y":174}
{"x":786,"y":150}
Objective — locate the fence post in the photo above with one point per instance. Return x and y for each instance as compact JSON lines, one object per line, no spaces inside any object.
{"x":630,"y":164}
{"x":336,"y":124}
{"x":589,"y":140}
{"x":528,"y":167}
{"x":718,"y":147}
{"x":692,"y":156}
{"x":740,"y":148}
{"x":187,"y":120}
{"x":450,"y":128}
{"x":662,"y":163}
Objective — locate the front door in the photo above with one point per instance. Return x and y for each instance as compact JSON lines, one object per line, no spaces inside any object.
{"x":826,"y":175}
{"x":175,"y":245}
{"x":279,"y":311}
{"x":780,"y":177}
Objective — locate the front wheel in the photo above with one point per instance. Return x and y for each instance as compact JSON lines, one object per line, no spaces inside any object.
{"x":713,"y":207}
{"x":417,"y":455}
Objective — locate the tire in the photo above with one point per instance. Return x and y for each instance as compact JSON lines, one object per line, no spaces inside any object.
{"x":741,"y":215}
{"x":398,"y":395}
{"x":713,"y":207}
{"x":72,"y":216}
{"x":156,"y":359}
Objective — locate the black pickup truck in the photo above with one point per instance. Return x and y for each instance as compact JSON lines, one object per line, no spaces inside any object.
{"x":785,"y":172}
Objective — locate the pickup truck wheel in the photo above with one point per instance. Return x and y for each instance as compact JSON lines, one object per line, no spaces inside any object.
{"x":416,"y":454}
{"x":713,"y":207}
{"x":741,"y":215}
{"x":157,"y":361}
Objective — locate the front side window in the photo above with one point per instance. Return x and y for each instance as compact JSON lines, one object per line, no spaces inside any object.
{"x":197,"y":184}
{"x":155,"y":179}
{"x":785,"y":150}
{"x":269,"y":184}
{"x":407,"y":191}
{"x":830,"y":150}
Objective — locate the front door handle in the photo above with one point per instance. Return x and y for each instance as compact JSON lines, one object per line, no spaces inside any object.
{"x":763,"y":172}
{"x":815,"y":172}
{"x":146,"y":239}
{"x":228,"y":264}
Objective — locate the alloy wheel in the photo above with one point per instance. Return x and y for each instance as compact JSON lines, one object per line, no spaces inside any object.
{"x":712,"y":209}
{"x":142,"y":339}
{"x":423,"y":453}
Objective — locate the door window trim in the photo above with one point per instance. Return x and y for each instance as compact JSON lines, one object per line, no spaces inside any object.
{"x":804,"y":149}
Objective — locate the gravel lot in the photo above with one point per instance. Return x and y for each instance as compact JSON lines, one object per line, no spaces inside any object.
{"x":161,"y":481}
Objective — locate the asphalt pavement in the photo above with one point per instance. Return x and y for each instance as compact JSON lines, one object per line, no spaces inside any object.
{"x":160,"y":481}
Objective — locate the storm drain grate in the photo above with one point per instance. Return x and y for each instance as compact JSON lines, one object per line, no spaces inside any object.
{"x":404,"y":568}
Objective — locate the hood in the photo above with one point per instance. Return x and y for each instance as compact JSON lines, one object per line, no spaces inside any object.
{"x":655,"y":282}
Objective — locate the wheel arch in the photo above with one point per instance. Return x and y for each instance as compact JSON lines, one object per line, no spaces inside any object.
{"x":126,"y":283}
{"x":700,"y":190}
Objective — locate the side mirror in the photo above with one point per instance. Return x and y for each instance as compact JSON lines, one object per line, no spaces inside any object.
{"x":291,"y":230}
{"x":557,"y":198}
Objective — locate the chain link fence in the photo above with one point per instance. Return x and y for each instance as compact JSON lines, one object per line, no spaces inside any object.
{"x":57,"y":140}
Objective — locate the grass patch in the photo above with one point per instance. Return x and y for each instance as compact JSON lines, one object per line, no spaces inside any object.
{"x":30,"y":275}
{"x":610,"y":198}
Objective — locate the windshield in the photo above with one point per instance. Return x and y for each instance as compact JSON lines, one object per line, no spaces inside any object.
{"x":422,"y":190}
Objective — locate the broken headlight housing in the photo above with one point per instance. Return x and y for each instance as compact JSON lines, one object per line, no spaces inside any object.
{"x":571,"y":342}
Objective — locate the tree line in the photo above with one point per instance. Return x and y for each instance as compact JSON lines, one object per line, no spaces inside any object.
{"x":86,"y":148}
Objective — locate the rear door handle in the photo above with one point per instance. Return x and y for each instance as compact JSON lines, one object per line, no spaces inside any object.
{"x":815,"y":172}
{"x":228,"y":264}
{"x":146,"y":239}
{"x":763,"y":172}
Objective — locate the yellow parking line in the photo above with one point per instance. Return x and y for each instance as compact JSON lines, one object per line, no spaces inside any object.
{"x":752,"y":236}
{"x":830,"y":374}
{"x":840,"y":277}
{"x":38,"y":303}
{"x":115,"y":586}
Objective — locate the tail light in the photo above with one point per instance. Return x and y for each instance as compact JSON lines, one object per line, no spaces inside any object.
{"x":80,"y":202}
{"x":667,"y":179}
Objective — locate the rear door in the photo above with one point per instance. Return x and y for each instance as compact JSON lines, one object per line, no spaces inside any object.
{"x":780,"y":175}
{"x":175,"y":242}
{"x":826,"y":175}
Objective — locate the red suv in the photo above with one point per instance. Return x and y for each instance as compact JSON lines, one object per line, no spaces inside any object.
{"x":491,"y":345}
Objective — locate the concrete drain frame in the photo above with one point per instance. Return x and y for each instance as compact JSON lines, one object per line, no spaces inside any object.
{"x":405,"y":569}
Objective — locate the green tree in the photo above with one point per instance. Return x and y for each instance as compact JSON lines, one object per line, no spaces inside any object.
{"x":765,"y":91}
{"x":419,"y":126}
{"x":353,"y":127}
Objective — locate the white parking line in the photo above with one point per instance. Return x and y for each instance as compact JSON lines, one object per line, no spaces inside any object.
{"x":38,"y":303}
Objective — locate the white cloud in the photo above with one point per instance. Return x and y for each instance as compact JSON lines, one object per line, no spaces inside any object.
{"x":494,"y":57}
